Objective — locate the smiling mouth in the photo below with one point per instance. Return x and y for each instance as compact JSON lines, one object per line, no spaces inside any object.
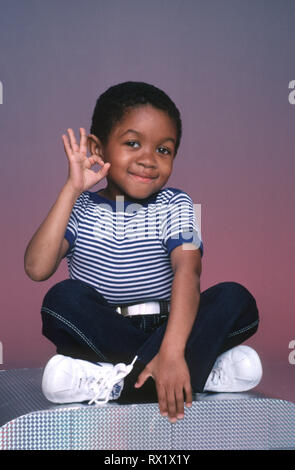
{"x":143,"y":179}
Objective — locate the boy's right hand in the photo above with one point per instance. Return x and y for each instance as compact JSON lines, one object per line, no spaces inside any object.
{"x":81,"y":177}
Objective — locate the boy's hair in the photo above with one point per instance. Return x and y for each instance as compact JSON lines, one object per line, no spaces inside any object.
{"x":115,"y":101}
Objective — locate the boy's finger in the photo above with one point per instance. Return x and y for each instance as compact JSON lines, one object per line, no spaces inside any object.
{"x":83,"y":140}
{"x":188,"y":395}
{"x":162,"y":400}
{"x":67,"y":146}
{"x":103,"y":171}
{"x":171,"y":402}
{"x":141,"y":379}
{"x":73,"y":141}
{"x":179,"y":403}
{"x":98,"y":160}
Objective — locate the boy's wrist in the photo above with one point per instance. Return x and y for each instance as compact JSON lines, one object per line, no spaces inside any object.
{"x":172,"y":350}
{"x":68,"y":187}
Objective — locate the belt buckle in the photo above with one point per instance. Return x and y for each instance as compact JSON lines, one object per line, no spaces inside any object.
{"x":122,"y":311}
{"x":142,"y":307}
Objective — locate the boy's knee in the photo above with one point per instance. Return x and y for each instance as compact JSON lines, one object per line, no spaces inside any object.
{"x":241,"y":295}
{"x":61,"y":291}
{"x":74,"y":293}
{"x":236,"y":289}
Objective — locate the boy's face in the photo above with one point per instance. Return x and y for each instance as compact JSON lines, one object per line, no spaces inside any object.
{"x":141,"y":149}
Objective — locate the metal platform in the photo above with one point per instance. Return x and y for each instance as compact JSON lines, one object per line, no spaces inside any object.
{"x":215,"y":421}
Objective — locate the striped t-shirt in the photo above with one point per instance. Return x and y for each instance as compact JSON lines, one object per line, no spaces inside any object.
{"x":123,"y":249}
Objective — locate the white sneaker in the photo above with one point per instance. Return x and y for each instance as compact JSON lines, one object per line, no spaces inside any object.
{"x":236,"y":370}
{"x":68,"y":380}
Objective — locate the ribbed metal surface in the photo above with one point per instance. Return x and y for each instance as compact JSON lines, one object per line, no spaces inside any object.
{"x":238,"y":424}
{"x":116,"y":428}
{"x":20,"y":393}
{"x":231,"y":421}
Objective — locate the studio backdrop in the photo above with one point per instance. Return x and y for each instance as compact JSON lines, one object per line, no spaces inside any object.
{"x":229,"y":67}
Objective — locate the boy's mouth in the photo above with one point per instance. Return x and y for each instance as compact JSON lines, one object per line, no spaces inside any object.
{"x":143,"y":179}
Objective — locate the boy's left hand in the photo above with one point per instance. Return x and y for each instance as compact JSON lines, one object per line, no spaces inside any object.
{"x":172,"y":378}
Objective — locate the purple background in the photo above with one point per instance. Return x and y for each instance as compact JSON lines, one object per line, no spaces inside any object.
{"x":227,"y":65}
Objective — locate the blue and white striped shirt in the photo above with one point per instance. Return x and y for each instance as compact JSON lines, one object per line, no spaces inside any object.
{"x":123,"y":249}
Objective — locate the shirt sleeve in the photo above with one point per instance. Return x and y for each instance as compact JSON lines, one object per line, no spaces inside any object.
{"x":71,"y":232}
{"x":180,"y":225}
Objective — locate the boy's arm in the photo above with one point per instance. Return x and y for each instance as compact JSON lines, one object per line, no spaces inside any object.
{"x":185,"y":297}
{"x":48,"y":245}
{"x":168,"y":367}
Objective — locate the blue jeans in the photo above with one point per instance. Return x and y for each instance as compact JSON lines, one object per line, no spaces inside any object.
{"x":82,"y":324}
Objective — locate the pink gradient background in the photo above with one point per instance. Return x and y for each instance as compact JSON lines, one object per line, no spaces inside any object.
{"x":227,"y":65}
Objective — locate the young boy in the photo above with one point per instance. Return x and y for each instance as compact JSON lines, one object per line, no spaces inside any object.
{"x":134,"y":256}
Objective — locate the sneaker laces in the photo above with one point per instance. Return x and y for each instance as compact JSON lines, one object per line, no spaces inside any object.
{"x":102,"y":385}
{"x":218,"y":374}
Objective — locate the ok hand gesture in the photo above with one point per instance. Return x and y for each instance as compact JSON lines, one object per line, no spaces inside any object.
{"x":81,"y":177}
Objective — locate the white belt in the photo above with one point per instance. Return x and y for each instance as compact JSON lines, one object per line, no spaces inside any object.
{"x":148,"y":308}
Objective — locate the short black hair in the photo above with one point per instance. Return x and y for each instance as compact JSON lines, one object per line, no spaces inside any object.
{"x":116,"y":100}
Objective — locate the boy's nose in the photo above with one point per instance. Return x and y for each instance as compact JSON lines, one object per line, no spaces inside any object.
{"x":147,"y":159}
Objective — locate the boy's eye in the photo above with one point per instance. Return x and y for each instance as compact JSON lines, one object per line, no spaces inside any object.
{"x":133,"y":144}
{"x":164,"y":150}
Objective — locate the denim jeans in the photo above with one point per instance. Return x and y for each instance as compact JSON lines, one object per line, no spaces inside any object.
{"x":82,"y":324}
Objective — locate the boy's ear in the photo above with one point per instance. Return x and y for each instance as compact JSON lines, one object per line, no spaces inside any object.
{"x":94,"y":145}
